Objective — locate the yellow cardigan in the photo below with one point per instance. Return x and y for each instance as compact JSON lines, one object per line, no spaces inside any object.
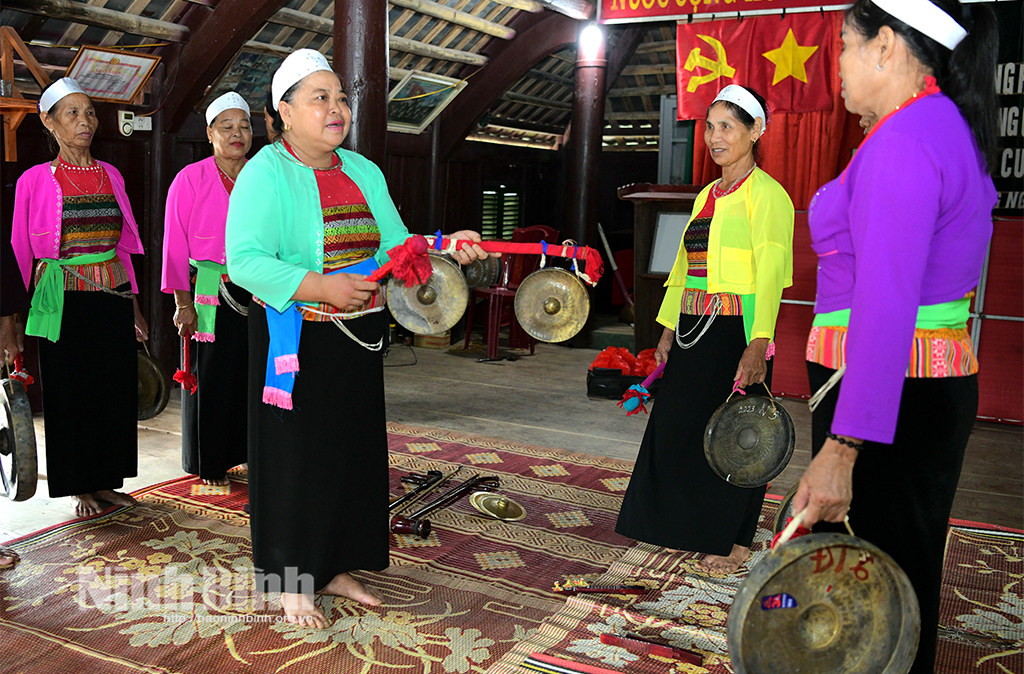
{"x":750,"y":251}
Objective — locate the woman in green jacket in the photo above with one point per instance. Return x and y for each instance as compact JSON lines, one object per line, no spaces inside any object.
{"x":306,"y":223}
{"x":719,"y":314}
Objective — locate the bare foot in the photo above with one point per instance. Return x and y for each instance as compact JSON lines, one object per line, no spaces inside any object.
{"x":344,"y":585}
{"x":300,"y":609}
{"x":8,"y":558}
{"x":223,"y":482}
{"x":87,"y":505}
{"x":719,"y":564}
{"x":115,"y":497}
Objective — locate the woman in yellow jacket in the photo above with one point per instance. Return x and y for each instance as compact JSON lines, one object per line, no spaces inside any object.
{"x":719,"y":312}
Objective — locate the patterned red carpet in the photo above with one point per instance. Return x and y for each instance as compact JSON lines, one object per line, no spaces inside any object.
{"x":167,"y":587}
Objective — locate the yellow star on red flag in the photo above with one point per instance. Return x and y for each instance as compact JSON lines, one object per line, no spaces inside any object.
{"x":789,"y":59}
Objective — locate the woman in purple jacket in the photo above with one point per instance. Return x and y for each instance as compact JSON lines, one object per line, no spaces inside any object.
{"x":214,"y":417}
{"x":73,"y":235}
{"x":901,"y":237}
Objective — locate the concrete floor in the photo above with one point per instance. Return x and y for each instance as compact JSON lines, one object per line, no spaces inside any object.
{"x":540,"y":400}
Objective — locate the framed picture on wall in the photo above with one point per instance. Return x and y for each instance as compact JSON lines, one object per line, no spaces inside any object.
{"x":249,"y":75}
{"x":668,"y":233}
{"x":112,"y":75}
{"x":420,"y":97}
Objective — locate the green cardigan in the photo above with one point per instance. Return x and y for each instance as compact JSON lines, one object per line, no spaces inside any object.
{"x":275,"y":228}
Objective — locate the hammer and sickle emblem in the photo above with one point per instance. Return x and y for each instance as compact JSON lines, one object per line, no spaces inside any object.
{"x":718,"y":68}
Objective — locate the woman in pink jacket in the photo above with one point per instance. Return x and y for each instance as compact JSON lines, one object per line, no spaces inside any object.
{"x":213,"y":418}
{"x":73,"y":235}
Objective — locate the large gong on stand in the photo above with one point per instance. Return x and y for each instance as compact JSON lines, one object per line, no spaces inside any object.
{"x":827,"y":604}
{"x":433,"y":307}
{"x":749,"y":440}
{"x":18,"y":469}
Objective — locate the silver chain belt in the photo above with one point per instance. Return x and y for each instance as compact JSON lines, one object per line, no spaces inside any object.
{"x":110,"y":291}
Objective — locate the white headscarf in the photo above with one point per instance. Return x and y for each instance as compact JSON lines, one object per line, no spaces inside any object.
{"x":299,"y":64}
{"x":734,"y":93}
{"x":229,"y":101}
{"x":928,"y":18}
{"x":65,"y":86}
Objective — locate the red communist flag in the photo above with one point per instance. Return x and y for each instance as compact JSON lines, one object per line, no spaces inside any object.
{"x":787,"y":60}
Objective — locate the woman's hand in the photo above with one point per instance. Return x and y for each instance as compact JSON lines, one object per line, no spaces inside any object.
{"x":347,"y":292}
{"x":186,"y":320}
{"x":141,"y":327}
{"x":664,"y":345}
{"x":753,"y":368}
{"x":12,"y":337}
{"x":470,"y":253}
{"x":826,"y":488}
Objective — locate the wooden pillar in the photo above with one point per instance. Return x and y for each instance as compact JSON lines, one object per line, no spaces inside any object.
{"x":361,"y":61}
{"x":157,"y":306}
{"x":585,"y":140}
{"x":437,"y":190}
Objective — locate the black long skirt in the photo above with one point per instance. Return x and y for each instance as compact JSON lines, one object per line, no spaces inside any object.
{"x":90,"y":380}
{"x":214,"y":419}
{"x":318,"y":474}
{"x":674,"y":499}
{"x":903,"y":492}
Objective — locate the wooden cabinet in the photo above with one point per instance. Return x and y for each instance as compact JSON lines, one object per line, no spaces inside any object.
{"x":648,"y":202}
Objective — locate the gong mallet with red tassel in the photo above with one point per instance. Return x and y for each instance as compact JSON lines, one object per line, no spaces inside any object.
{"x":184,"y":375}
{"x":409,"y":263}
{"x":634,"y":398}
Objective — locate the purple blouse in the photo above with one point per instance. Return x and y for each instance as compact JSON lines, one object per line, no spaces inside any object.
{"x":907,"y":224}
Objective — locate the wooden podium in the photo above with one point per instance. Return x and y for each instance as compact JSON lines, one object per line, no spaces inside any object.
{"x":649,"y":201}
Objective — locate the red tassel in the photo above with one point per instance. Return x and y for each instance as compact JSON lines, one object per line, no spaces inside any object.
{"x":19,"y":373}
{"x":184,"y":376}
{"x":411,"y":264}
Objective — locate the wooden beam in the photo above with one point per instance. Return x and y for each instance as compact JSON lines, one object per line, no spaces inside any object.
{"x":396,"y":74}
{"x":651,"y":47}
{"x":535,"y":101}
{"x":215,"y":42}
{"x":100,"y":17}
{"x":531,"y":6}
{"x":538,"y":36}
{"x":637,"y":115}
{"x":652,"y":69}
{"x":432,"y":51}
{"x":318,"y":24}
{"x":465,"y":19}
{"x":13,"y":43}
{"x":660,"y":90}
{"x":551,"y":77}
{"x":581,"y":10}
{"x":629,"y":39}
{"x":303,"y":21}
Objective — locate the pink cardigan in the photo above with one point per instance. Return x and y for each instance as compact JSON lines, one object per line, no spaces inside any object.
{"x":197,"y":210}
{"x":38,"y":208}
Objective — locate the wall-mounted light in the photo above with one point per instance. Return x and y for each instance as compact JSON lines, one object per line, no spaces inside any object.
{"x":591,"y":43}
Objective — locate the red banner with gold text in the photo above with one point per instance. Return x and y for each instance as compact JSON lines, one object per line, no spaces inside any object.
{"x":788,"y":60}
{"x":628,"y":11}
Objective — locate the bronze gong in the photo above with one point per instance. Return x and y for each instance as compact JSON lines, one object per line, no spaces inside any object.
{"x":482,"y":273}
{"x":785,"y":511}
{"x":154,"y":387}
{"x":828,"y":604}
{"x":17,"y":443}
{"x":749,"y":440}
{"x":433,"y":307}
{"x":552,"y":305}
